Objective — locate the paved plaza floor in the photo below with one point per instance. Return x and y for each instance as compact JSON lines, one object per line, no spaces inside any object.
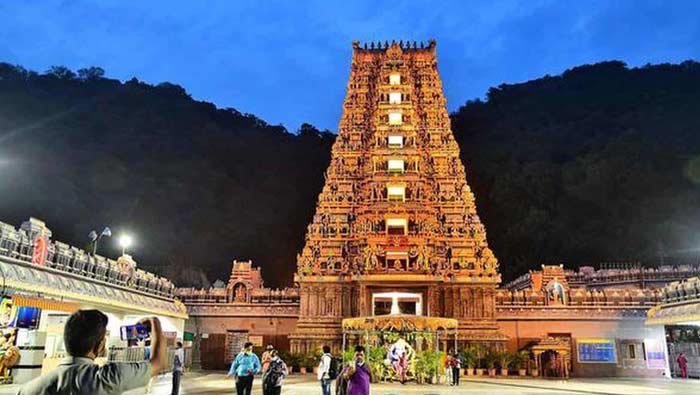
{"x":218,"y":384}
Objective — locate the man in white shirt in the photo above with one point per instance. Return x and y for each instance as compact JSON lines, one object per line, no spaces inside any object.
{"x":178,"y":363}
{"x":85,"y":336}
{"x":324,"y":371}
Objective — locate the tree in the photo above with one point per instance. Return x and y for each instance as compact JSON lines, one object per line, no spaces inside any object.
{"x":61,"y":72}
{"x":91,"y":73}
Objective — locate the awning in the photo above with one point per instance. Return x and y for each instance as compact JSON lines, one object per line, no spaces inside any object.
{"x":19,"y":300}
{"x":400,"y":322}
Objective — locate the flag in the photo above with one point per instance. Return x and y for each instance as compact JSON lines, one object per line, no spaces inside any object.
{"x":107,"y":232}
{"x":93,"y":235}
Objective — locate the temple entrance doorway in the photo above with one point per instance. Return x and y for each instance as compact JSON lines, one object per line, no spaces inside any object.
{"x":407,"y":303}
{"x":552,"y":357}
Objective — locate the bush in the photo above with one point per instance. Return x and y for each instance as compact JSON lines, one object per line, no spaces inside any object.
{"x":490,"y":359}
{"x":468,"y":358}
{"x":427,"y":364}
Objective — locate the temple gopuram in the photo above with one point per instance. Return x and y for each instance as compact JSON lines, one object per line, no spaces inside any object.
{"x":396,"y":227}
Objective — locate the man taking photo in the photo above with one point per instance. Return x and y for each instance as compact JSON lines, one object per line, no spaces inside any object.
{"x":85,"y":336}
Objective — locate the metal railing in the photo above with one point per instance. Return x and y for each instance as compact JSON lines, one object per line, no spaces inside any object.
{"x":20,"y":244}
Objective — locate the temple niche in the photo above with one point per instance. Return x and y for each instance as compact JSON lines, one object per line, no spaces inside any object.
{"x":395,"y":229}
{"x":244,"y":278}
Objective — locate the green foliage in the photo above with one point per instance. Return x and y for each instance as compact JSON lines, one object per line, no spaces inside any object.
{"x":468,"y":357}
{"x":348,"y":355}
{"x":309,"y":360}
{"x":490,"y":359}
{"x":296,"y":360}
{"x":505,"y":359}
{"x":479,"y":352}
{"x":522,"y":359}
{"x":376,"y":359}
{"x":427,"y":364}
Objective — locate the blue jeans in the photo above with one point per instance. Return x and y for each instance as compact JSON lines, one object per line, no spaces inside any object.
{"x":326,"y":386}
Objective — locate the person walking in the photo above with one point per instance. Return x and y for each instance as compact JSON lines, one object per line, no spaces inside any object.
{"x":357,"y":374}
{"x":447,"y":366}
{"x":243,"y":369}
{"x":683,"y":365}
{"x":84,"y":336}
{"x":265,"y":361}
{"x":178,"y":363}
{"x":325,"y":373}
{"x":456,"y":363}
{"x":266,"y":357}
{"x":275,"y":373}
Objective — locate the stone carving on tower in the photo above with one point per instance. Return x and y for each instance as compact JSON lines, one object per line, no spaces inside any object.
{"x":396,"y":212}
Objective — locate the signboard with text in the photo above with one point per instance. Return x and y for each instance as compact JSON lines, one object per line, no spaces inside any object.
{"x":596,"y":351}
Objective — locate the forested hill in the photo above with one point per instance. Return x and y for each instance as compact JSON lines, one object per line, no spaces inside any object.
{"x":198,"y":186}
{"x":599,"y":164}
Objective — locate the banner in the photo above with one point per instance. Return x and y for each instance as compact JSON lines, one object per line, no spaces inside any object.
{"x":655,"y":355}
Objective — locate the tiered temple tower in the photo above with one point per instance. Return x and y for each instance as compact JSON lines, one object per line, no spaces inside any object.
{"x":396,"y":228}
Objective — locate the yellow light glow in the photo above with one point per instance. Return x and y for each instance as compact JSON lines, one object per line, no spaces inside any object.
{"x":395,"y":165}
{"x":395,"y":79}
{"x":396,"y":192}
{"x":394,"y":97}
{"x":396,"y":141}
{"x":396,"y":222}
{"x":395,"y":118}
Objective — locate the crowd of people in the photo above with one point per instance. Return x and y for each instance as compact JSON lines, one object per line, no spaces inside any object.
{"x":85,"y":337}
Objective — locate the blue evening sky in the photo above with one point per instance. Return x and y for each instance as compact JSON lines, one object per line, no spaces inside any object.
{"x":288,"y":61}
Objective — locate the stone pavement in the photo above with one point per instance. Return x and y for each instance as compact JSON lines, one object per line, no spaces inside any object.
{"x":217,"y":384}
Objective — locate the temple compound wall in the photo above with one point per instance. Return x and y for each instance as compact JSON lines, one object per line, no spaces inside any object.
{"x":226,"y":316}
{"x":678,"y":315}
{"x":546,"y":314}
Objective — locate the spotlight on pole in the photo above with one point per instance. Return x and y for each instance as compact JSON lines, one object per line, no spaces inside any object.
{"x":94,"y":238}
{"x":125,"y":242}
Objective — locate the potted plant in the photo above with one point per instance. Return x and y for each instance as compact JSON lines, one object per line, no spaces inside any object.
{"x":426,"y":366}
{"x":479,"y":354}
{"x":505,"y":358}
{"x":468,"y":361}
{"x":294,"y":360}
{"x":306,"y":363}
{"x":490,"y":362}
{"x":523,"y":361}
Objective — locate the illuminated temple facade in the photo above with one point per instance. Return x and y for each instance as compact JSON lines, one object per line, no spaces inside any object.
{"x":396,"y":228}
{"x":396,"y":232}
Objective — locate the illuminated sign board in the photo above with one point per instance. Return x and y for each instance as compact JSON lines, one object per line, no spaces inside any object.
{"x":596,"y":351}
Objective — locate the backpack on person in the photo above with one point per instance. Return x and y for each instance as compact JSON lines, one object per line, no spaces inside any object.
{"x":333,"y":369}
{"x":273,"y":374}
